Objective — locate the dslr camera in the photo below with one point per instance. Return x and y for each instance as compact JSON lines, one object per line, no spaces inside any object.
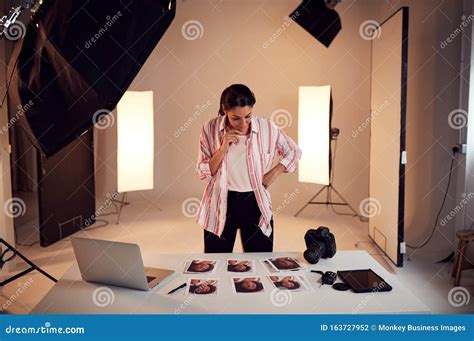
{"x":320,"y":243}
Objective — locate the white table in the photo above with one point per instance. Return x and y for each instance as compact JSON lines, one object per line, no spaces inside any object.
{"x":71,"y":295}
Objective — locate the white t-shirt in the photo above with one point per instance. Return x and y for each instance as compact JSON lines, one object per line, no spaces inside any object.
{"x":237,"y":169}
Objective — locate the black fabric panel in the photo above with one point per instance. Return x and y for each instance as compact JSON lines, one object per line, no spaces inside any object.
{"x":79,"y":57}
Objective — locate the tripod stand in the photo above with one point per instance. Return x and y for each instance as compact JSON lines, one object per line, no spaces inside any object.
{"x":328,"y":201}
{"x":123,"y":202}
{"x":329,"y":188}
{"x":24,"y":272}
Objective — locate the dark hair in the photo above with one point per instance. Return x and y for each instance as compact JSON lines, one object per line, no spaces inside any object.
{"x":197,"y":289}
{"x":240,"y":288}
{"x":232,"y":268}
{"x":236,"y":95}
{"x":280,"y":285}
{"x":279,"y":265}
{"x":193,"y":265}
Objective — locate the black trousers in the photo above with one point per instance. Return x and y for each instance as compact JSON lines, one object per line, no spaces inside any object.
{"x":243,"y":213}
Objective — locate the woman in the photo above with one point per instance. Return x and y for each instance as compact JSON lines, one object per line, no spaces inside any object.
{"x":284,"y":263}
{"x":287,"y":282}
{"x":248,"y":285}
{"x":236,"y":154}
{"x":202,"y":287}
{"x":236,"y":266}
{"x":201,"y":266}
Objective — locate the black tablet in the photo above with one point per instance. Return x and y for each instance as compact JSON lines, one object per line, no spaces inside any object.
{"x":364,"y":281}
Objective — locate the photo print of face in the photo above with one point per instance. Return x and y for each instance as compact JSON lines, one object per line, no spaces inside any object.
{"x":285,"y":263}
{"x":234,"y":265}
{"x":294,"y":283}
{"x":247,"y":284}
{"x":200,"y":266}
{"x":202,"y":286}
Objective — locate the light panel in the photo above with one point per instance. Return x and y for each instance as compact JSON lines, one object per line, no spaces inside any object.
{"x":313,"y":133}
{"x":135,"y":145}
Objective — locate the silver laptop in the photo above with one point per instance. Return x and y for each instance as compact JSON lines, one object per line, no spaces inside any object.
{"x":116,"y":263}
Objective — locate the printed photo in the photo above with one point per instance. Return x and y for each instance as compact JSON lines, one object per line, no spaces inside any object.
{"x":285,"y":264}
{"x":269,"y":267}
{"x":197,"y":266}
{"x":246,"y":285}
{"x":235,"y":265}
{"x":199,"y":286}
{"x":293,"y":283}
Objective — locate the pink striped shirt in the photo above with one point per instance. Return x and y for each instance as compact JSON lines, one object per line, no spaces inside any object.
{"x":266,"y":141}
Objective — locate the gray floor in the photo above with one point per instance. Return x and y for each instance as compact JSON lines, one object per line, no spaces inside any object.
{"x":170,"y":231}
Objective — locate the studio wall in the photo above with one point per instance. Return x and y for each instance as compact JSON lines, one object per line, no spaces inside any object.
{"x":250,"y":42}
{"x":213,"y":44}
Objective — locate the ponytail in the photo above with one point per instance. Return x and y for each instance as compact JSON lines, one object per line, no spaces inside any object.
{"x":236,"y":95}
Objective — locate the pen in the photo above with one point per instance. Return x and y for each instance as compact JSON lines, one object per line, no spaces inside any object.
{"x":177,"y":288}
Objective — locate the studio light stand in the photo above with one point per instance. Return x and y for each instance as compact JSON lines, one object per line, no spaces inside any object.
{"x":8,"y":22}
{"x":15,"y":253}
{"x":135,"y":141}
{"x":123,"y":202}
{"x":330,"y":188}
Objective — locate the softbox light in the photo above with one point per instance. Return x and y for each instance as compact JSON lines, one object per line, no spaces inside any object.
{"x":314,"y":125}
{"x":322,"y":22}
{"x":135,"y":136}
{"x":76,"y":61}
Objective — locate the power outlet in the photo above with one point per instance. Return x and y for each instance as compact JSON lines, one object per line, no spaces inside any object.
{"x":460,"y":148}
{"x":403,"y":247}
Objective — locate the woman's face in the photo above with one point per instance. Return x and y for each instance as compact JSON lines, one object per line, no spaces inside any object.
{"x":249,"y":284}
{"x":203,"y":266}
{"x":240,"y":118}
{"x":204,"y":288}
{"x":287,"y":283}
{"x":284,"y":262}
{"x":240,"y":267}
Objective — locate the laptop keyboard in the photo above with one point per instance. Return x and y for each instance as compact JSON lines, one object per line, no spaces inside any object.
{"x":150,"y":278}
